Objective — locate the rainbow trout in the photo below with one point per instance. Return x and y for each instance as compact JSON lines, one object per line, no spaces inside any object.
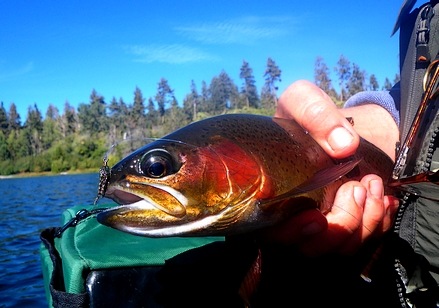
{"x":226,"y":175}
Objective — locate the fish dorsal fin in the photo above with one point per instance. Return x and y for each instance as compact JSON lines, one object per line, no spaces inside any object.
{"x":320,"y":179}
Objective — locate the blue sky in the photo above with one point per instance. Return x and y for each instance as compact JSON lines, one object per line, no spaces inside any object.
{"x":57,"y":51}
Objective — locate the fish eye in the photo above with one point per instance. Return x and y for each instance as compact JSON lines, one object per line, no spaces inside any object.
{"x":156,"y":164}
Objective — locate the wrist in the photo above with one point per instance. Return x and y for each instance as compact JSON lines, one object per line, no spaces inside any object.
{"x":377,"y":127}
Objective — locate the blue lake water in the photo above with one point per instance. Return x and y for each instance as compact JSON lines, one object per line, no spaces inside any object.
{"x":27,"y":206}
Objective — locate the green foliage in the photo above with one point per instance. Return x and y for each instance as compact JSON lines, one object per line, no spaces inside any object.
{"x":23,"y":164}
{"x":7,"y":167}
{"x":4,"y":151}
{"x":252,"y":110}
{"x":59,"y":165}
{"x":50,"y":133}
{"x":42,"y":163}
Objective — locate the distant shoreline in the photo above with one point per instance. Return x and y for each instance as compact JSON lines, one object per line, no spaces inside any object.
{"x":35,"y":174}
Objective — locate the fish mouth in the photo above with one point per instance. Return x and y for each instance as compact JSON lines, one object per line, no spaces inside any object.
{"x":123,"y":197}
{"x":154,"y":196}
{"x":143,"y":207}
{"x":145,"y":215}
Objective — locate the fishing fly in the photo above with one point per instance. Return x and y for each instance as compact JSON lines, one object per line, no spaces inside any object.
{"x":104,"y":178}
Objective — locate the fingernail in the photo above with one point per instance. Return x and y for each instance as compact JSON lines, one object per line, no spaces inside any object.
{"x":340,"y":138}
{"x":376,"y":189}
{"x":359,"y":195}
{"x":312,"y":228}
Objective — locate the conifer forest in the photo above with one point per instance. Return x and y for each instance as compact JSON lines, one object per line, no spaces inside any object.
{"x":76,"y":140}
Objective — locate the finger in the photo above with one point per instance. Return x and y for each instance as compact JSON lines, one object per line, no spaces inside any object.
{"x":344,"y":221}
{"x":313,"y":109}
{"x":378,"y":214}
{"x":374,"y":212}
{"x":374,"y":209}
{"x":379,"y":210}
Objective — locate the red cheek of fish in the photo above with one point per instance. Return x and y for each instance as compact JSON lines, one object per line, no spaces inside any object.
{"x":232,"y":166}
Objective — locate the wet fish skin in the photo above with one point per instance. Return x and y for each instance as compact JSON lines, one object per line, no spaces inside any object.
{"x":229,"y":174}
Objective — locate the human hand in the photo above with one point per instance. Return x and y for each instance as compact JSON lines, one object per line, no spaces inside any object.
{"x":360,"y":210}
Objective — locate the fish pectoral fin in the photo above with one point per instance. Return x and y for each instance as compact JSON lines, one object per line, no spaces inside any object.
{"x":320,"y":179}
{"x":328,"y":175}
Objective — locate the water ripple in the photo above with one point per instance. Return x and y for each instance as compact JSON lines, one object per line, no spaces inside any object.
{"x":27,"y":206}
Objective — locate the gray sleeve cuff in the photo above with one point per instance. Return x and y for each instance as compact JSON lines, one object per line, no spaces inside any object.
{"x":389,"y":100}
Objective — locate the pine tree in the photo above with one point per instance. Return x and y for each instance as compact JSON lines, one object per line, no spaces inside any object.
{"x":93,"y":117}
{"x":34,"y":129}
{"x":321,"y":75}
{"x":272,"y":75}
{"x":151,"y":115}
{"x":387,"y":84}
{"x":4,"y":152}
{"x":118,"y":113}
{"x":357,"y":81}
{"x":138,"y":110}
{"x":205,"y":98}
{"x":373,"y":83}
{"x":164,"y":97}
{"x":14,"y":118}
{"x":68,"y":122}
{"x":4,"y":121}
{"x":223,"y":93}
{"x":343,"y":70}
{"x":191,"y":103}
{"x":51,"y":131}
{"x":248,"y":90}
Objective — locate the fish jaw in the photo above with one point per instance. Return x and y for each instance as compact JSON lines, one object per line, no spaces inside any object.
{"x":144,"y":209}
{"x":160,"y":196}
{"x":144,"y":219}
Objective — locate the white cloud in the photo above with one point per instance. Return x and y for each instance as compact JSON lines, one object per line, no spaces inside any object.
{"x":170,"y":53}
{"x":246,"y":30}
{"x":7,"y":74}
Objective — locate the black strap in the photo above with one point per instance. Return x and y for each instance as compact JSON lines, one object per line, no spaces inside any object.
{"x":60,"y":298}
